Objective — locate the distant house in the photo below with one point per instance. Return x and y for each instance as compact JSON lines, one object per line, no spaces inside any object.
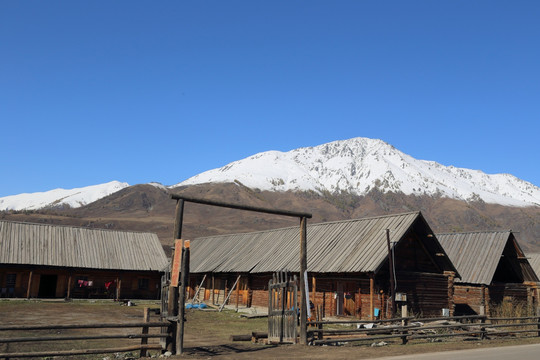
{"x":50,"y":261}
{"x":348,"y":266}
{"x":493,"y":268}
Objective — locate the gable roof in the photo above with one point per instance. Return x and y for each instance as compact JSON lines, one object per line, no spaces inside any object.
{"x":476,"y":255}
{"x":534,"y":260}
{"x":67,"y":246}
{"x":333,"y":247}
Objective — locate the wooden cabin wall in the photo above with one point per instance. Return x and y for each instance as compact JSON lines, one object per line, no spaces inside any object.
{"x":222,"y":285}
{"x":427,"y":293}
{"x":470,"y":297}
{"x":134,"y":285}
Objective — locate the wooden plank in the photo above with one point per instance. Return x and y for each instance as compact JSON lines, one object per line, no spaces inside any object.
{"x":80,"y":337}
{"x":77,"y":352}
{"x":176,"y":263}
{"x":82,"y":326}
{"x":198,"y":289}
{"x":229,"y":294}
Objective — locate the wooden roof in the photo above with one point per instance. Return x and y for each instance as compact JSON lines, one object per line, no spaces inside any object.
{"x":66,"y":246}
{"x":534,"y":260}
{"x":333,"y":247}
{"x":477,"y":255}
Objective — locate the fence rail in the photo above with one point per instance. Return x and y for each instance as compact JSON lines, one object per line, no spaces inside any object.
{"x":143,"y":347}
{"x":408,"y":328}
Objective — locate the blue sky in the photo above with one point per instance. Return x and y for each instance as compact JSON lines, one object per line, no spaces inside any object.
{"x":141,"y":91}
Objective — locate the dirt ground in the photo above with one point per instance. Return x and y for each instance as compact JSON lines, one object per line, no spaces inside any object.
{"x":206,"y":334}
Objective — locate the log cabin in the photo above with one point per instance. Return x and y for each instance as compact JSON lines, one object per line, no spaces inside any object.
{"x":493,"y":269}
{"x":348,"y":264}
{"x":51,"y":261}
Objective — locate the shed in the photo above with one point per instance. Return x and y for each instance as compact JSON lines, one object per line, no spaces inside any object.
{"x":347,"y":263}
{"x":493,"y":269}
{"x":52,"y":261}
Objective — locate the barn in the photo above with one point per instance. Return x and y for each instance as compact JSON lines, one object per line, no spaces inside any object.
{"x":347,"y":262}
{"x":493,"y":269}
{"x":51,"y":261}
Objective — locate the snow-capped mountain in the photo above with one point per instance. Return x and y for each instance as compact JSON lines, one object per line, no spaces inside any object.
{"x":60,"y":197}
{"x":359,"y":165}
{"x":356,"y":165}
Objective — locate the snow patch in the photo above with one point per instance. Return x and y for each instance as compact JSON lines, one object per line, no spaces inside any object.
{"x":60,"y":197}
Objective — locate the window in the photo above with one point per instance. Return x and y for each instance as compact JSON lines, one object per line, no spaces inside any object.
{"x":144,"y":284}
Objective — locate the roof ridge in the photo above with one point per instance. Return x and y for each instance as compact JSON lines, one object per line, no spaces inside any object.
{"x":474,"y":232}
{"x":75,"y":227}
{"x":314,"y":224}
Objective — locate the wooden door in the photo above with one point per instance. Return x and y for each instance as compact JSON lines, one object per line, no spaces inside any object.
{"x":282,"y":308}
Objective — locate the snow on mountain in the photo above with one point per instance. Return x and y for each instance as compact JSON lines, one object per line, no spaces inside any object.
{"x":59,"y":197}
{"x":359,"y":165}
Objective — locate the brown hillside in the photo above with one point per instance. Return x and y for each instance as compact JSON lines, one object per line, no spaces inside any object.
{"x":147,"y":208}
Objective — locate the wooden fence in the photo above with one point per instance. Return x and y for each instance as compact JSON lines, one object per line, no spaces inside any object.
{"x":409,"y":328}
{"x":143,"y":346}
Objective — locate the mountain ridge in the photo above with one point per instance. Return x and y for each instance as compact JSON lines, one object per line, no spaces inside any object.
{"x":356,"y":166}
{"x":360,"y":165}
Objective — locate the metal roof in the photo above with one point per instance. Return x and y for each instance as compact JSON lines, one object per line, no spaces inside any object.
{"x":534,"y":260}
{"x":66,"y":246}
{"x":476,"y":255}
{"x":333,"y":247}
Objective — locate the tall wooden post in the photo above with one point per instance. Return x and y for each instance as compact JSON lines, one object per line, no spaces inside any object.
{"x":303,"y":269}
{"x":118,"y":288}
{"x":29,"y":284}
{"x":371,"y":295}
{"x":144,"y":331}
{"x":182,"y":299}
{"x":172,"y":306}
{"x":68,"y":293}
{"x":237,"y":294}
{"x":213,"y":290}
{"x":314,"y":292}
{"x":391,"y":268}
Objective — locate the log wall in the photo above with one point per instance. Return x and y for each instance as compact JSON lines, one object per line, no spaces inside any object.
{"x":129,"y":283}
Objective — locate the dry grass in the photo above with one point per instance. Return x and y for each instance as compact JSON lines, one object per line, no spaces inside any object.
{"x":207,"y":333}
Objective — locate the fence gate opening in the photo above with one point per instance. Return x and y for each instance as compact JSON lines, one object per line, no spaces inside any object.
{"x":282,"y":308}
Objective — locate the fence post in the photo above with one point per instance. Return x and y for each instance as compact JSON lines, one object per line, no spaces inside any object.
{"x":144,"y":340}
{"x":538,"y":320}
{"x":483,"y":327}
{"x":320,"y":319}
{"x":404,"y":322}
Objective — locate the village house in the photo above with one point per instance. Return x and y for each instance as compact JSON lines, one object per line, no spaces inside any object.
{"x":347,"y":263}
{"x":493,"y":269}
{"x":50,"y":261}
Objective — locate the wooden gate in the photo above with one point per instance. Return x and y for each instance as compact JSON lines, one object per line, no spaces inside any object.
{"x":282,"y":308}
